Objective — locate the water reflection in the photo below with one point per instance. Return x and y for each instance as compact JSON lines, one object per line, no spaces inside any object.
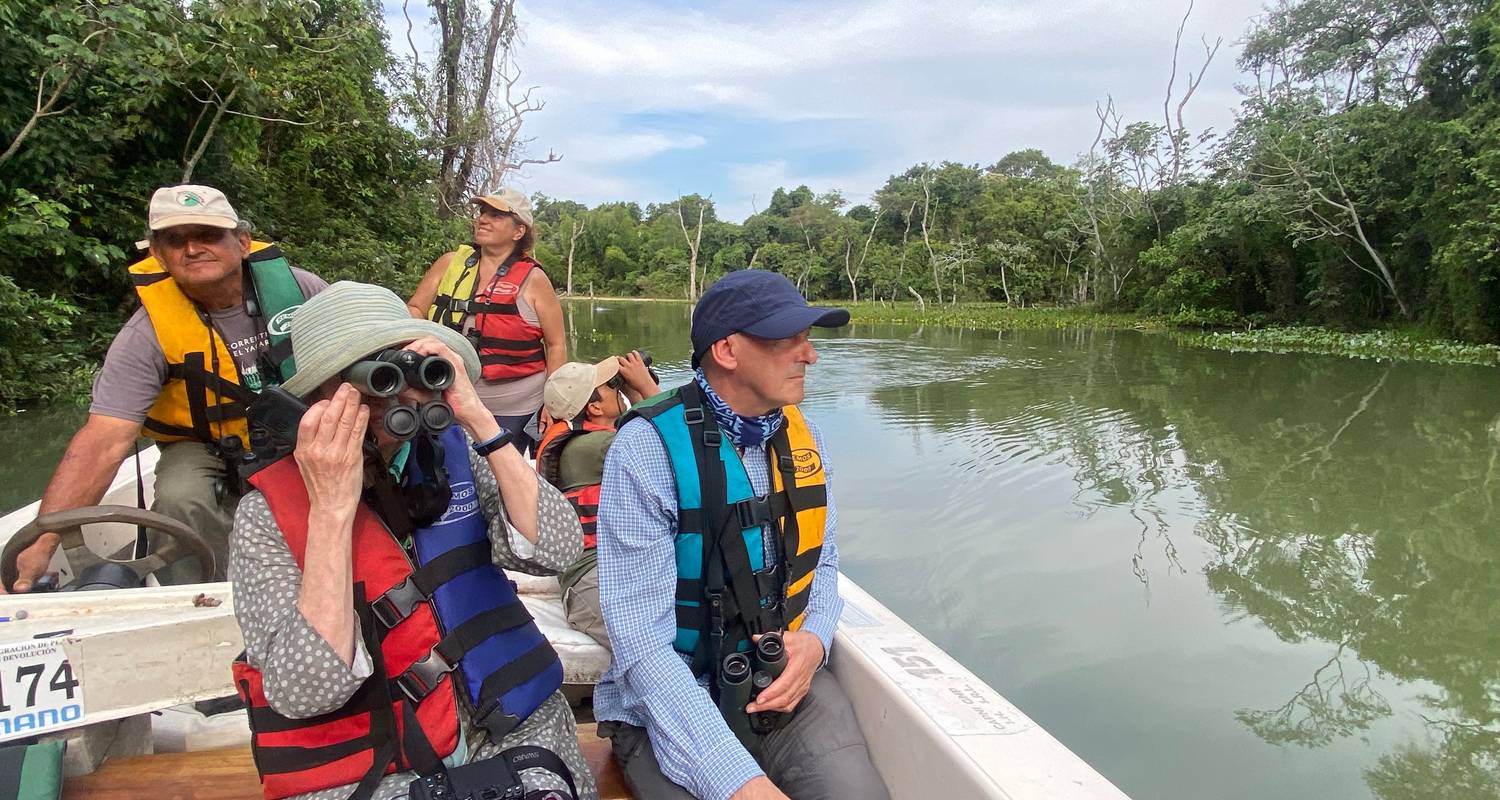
{"x":1341,"y":502}
{"x":1210,"y":574}
{"x":1004,"y":493}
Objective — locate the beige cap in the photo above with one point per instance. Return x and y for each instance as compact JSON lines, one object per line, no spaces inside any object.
{"x":570,"y":387}
{"x":508,"y":200}
{"x":190,"y":205}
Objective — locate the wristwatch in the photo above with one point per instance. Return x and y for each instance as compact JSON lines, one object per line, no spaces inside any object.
{"x":494,"y":443}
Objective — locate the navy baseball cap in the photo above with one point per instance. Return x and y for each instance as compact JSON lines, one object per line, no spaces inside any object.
{"x":757,"y":302}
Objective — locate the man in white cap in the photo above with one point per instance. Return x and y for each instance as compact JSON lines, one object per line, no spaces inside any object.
{"x":211,"y":329}
{"x":585,"y":401}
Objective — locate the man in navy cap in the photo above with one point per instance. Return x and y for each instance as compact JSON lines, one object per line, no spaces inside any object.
{"x":718,"y":571}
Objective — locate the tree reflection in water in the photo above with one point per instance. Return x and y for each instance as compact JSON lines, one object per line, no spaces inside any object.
{"x":1342,"y":502}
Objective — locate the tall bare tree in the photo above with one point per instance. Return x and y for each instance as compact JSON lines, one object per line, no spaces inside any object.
{"x":852,"y":268}
{"x":470,"y":103}
{"x":694,"y":241}
{"x":578,"y":226}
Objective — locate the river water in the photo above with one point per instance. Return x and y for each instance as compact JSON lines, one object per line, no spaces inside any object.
{"x":1209,"y":574}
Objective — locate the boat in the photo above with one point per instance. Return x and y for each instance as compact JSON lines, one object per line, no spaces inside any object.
{"x":121,"y":669}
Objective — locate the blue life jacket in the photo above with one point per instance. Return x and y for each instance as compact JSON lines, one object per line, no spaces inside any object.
{"x":504,"y":666}
{"x":725,"y":589}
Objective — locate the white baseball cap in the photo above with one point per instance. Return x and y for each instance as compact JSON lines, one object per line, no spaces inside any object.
{"x":508,"y":200}
{"x":569,"y":388}
{"x":190,"y":205}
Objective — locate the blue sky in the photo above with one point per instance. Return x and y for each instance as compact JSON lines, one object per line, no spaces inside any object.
{"x":649,"y":100}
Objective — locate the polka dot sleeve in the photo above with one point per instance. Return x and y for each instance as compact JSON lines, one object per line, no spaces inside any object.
{"x":559,"y":540}
{"x":303,"y":675}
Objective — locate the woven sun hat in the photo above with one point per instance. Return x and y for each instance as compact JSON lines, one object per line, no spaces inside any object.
{"x":347,"y":322}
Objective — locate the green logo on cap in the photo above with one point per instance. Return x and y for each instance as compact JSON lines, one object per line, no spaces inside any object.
{"x":189,"y":199}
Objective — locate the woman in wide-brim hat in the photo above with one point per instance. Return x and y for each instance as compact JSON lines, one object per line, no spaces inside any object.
{"x":494,"y":292}
{"x":308,"y":643}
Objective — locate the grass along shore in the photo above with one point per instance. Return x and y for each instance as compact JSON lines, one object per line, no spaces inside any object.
{"x":1391,"y":345}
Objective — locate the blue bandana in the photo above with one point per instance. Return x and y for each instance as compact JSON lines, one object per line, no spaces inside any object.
{"x":745,"y":432}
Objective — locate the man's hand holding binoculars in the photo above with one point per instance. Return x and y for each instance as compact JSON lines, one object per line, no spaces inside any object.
{"x":804,"y":654}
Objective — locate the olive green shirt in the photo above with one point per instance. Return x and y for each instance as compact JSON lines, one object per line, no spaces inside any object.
{"x":582,"y":464}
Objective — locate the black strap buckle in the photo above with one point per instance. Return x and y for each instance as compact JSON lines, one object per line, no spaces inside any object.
{"x":461,"y":306}
{"x":753,"y":512}
{"x":786,"y":463}
{"x":423,"y":676}
{"x":693,"y":416}
{"x":397,"y":603}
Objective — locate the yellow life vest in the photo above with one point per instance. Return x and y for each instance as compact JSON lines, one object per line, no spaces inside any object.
{"x":202,"y":399}
{"x":457,"y":284}
{"x":802,"y":533}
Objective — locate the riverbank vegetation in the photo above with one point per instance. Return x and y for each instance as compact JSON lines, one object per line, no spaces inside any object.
{"x":1354,"y":192}
{"x":998,"y":317}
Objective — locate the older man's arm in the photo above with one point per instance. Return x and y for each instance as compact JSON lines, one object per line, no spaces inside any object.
{"x":637,"y":589}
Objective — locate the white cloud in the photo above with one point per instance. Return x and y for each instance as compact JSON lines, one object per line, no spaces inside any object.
{"x":600,"y":148}
{"x":884,"y":84}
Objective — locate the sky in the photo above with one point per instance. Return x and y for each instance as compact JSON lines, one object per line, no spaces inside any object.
{"x":647,"y":100}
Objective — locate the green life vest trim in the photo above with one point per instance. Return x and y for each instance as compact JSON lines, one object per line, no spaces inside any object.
{"x":279,"y":295}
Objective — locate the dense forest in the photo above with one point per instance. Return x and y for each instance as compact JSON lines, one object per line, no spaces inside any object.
{"x":1357,"y":189}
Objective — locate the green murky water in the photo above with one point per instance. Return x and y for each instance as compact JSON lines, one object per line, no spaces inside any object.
{"x":1209,"y":574}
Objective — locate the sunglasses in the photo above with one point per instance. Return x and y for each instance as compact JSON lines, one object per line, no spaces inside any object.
{"x":492,"y":213}
{"x":177,"y":237}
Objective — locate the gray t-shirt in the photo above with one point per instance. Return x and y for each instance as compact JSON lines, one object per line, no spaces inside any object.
{"x":135,"y":368}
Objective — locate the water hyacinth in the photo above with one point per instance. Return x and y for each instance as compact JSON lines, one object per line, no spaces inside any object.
{"x":1379,"y":345}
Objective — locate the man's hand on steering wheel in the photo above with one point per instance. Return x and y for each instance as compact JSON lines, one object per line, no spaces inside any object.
{"x":32,"y":563}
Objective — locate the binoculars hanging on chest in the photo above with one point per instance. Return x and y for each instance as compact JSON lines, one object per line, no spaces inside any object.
{"x":742,"y":677}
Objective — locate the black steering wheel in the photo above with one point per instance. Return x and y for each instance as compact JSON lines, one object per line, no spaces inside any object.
{"x":180,"y":542}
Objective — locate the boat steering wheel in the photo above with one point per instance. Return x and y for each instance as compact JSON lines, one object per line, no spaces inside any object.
{"x":180,"y":542}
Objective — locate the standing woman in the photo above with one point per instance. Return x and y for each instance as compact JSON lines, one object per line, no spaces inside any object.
{"x":496,"y":294}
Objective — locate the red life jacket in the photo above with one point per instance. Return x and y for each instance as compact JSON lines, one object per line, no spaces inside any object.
{"x":584,"y":499}
{"x":295,"y":756}
{"x":509,"y":346}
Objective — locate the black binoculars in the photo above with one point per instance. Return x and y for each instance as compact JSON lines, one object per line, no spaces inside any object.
{"x":739,"y":684}
{"x":618,"y":381}
{"x":390,"y":371}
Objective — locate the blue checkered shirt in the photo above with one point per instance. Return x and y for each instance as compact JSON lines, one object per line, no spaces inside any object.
{"x":648,"y":683}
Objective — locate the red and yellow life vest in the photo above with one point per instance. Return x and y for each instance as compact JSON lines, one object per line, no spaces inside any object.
{"x":295,"y":756}
{"x":584,"y":499}
{"x":509,"y":346}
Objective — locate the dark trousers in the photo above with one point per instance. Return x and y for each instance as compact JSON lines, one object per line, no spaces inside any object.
{"x":819,"y":754}
{"x":517,"y":426}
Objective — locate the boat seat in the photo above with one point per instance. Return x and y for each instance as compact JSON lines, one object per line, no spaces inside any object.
{"x":584,"y":660}
{"x":230,"y":775}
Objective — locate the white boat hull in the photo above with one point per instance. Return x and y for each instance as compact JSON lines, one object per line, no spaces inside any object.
{"x":934,"y":729}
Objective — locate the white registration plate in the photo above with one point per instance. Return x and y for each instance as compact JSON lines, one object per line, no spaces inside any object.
{"x":38,"y":689}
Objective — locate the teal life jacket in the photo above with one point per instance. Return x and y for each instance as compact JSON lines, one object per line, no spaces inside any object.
{"x":725,"y":589}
